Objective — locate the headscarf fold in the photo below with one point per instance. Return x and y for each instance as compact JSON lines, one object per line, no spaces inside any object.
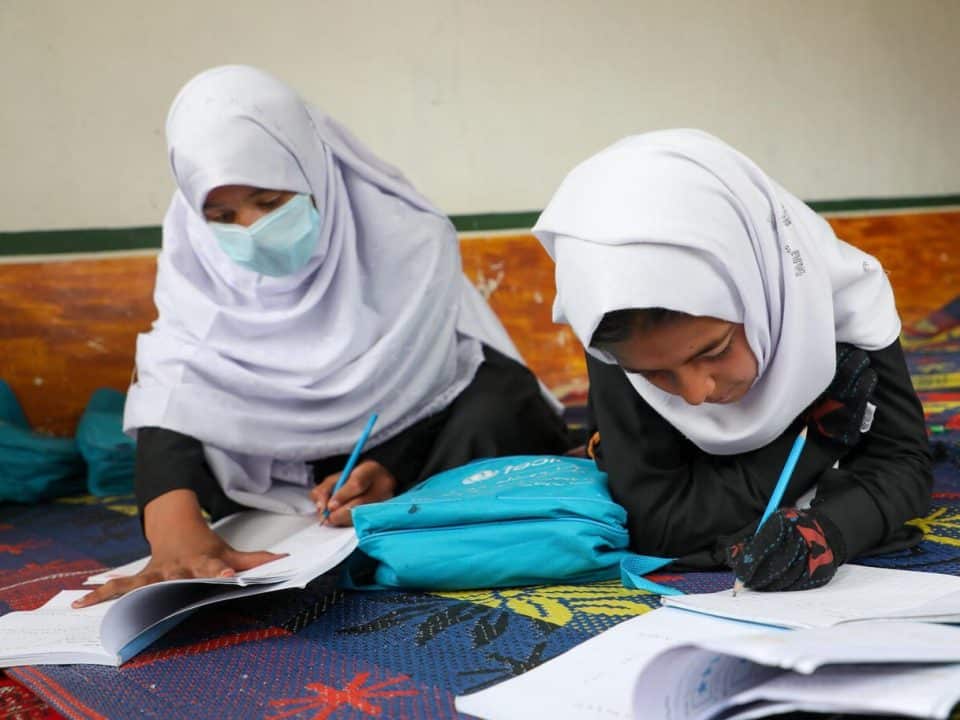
{"x":269,"y":372}
{"x":680,"y":220}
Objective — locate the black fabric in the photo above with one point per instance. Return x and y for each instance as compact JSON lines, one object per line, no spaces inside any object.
{"x":793,"y":550}
{"x":501,"y":412}
{"x":839,"y":413}
{"x":168,"y":460}
{"x":683,"y":503}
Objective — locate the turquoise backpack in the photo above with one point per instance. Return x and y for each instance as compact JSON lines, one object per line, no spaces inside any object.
{"x":33,"y":467}
{"x":503,"y":522}
{"x":36,"y":467}
{"x":109,"y":454}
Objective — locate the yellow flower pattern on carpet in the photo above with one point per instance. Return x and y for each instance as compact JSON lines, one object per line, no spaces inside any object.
{"x":563,"y":604}
{"x":940,"y":526}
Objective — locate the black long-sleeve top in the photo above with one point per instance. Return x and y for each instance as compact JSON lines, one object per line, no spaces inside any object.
{"x":684,"y":503}
{"x":501,"y":412}
{"x":168,"y":460}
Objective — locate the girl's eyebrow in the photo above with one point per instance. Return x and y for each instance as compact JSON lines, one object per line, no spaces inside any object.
{"x":710,"y":345}
{"x":253,"y":191}
{"x":707,"y":347}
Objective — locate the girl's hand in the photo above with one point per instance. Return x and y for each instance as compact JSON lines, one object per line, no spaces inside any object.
{"x":369,"y":482}
{"x":182,"y":546}
{"x":794,"y":550}
{"x":199,"y":553}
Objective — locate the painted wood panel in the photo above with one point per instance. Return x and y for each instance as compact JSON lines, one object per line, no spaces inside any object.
{"x":68,"y":327}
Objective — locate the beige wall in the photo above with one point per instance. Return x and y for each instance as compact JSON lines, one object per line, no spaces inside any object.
{"x":485,"y":105}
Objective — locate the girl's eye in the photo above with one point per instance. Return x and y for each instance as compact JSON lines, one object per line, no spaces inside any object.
{"x":223,"y":217}
{"x":657,"y":376}
{"x":721,"y":352}
{"x":270,"y":203}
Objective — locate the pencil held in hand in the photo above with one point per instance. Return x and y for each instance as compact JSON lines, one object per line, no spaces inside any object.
{"x":775,"y":498}
{"x":794,"y":550}
{"x":352,"y":460}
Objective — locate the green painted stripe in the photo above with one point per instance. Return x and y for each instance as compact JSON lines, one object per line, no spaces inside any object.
{"x":48,"y":242}
{"x":864,"y":204}
{"x":523,"y":220}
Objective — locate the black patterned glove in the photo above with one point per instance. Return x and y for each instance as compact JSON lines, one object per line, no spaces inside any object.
{"x":794,"y":550}
{"x":845,"y":409}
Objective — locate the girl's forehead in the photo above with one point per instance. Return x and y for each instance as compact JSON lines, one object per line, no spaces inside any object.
{"x":672,"y":343}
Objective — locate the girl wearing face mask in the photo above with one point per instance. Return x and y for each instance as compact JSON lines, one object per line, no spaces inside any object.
{"x":720,"y":316}
{"x":303,"y":285}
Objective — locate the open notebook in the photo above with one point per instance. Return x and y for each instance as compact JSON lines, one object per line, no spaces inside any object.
{"x":674,"y":665}
{"x":110,"y":633}
{"x":684,"y":665}
{"x":857,"y":592}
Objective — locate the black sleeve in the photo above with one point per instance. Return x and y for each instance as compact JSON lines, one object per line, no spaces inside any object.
{"x":405,"y":454}
{"x":679,"y":499}
{"x":501,"y":412}
{"x":167,"y":460}
{"x":887,"y":479}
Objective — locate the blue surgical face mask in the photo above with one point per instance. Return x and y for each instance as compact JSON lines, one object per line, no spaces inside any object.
{"x":279,"y":243}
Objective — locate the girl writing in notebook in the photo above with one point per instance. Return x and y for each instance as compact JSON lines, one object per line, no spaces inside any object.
{"x":720,"y":316}
{"x":303,"y":285}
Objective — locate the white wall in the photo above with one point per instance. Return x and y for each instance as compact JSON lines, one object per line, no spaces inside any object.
{"x":485,"y":105}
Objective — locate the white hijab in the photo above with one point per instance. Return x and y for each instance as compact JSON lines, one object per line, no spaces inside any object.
{"x":678,"y":219}
{"x":269,"y":372}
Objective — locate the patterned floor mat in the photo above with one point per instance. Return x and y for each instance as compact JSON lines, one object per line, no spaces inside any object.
{"x":327,"y":653}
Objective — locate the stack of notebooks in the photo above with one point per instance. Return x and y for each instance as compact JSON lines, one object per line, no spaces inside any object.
{"x":872,"y":641}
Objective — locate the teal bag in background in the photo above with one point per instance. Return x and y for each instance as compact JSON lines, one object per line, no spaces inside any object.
{"x":34,"y":467}
{"x":10,"y":410}
{"x":504,"y":522}
{"x":109,"y":454}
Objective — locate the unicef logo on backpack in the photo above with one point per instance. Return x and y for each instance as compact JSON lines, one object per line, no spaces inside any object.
{"x":507,"y":466}
{"x":480,"y":476}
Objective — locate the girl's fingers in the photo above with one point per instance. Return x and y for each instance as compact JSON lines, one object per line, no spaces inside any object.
{"x":206,"y":566}
{"x":115,"y":588}
{"x":246,"y":560}
{"x":341,"y":517}
{"x":212,"y":567}
{"x":381,"y":487}
{"x":369,"y":482}
{"x":357,"y":484}
{"x":321,"y":493}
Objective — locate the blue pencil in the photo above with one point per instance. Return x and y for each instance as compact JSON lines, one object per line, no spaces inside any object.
{"x":352,"y":460}
{"x":774,"y":502}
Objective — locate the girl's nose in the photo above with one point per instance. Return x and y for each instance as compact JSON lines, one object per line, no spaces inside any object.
{"x":694,"y":387}
{"x":247,"y":216}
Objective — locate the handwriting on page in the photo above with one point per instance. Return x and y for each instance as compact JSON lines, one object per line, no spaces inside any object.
{"x":710,"y":681}
{"x":51,"y":628}
{"x":594,"y":680}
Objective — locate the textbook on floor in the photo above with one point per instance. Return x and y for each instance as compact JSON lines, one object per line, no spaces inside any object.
{"x":112,"y":632}
{"x":874,"y":648}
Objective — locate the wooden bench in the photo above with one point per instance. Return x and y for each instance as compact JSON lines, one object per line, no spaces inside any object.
{"x":68,"y":324}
